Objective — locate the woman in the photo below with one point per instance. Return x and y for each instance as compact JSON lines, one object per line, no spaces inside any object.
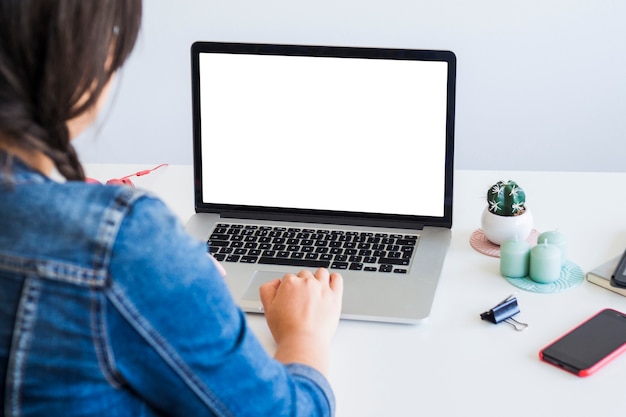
{"x":107,"y":307}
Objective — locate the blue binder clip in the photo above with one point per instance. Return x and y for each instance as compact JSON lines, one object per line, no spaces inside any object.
{"x":504,"y":312}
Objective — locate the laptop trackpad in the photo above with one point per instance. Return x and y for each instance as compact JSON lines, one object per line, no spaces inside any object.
{"x":259,"y":278}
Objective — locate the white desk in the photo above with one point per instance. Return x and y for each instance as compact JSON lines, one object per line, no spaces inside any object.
{"x":455,"y":364}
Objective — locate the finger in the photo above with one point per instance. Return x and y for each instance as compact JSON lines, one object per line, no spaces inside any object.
{"x":305,"y":273}
{"x":290,"y":278}
{"x":322,"y":275}
{"x":336,"y":283}
{"x":267,"y":291}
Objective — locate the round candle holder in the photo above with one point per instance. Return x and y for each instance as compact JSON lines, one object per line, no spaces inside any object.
{"x":481,"y":244}
{"x":571,"y":276}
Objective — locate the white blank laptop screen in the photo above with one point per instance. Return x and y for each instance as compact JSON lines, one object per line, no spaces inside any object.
{"x":347,"y":134}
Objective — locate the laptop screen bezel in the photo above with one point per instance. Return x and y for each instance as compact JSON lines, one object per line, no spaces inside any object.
{"x":324,"y":216}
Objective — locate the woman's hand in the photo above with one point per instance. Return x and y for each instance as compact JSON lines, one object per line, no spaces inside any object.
{"x":302,"y":312}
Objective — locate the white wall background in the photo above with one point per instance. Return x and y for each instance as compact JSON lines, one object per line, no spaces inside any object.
{"x":541,"y":83}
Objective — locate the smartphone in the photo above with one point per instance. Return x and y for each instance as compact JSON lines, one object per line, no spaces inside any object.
{"x":618,"y":278}
{"x":590,"y":345}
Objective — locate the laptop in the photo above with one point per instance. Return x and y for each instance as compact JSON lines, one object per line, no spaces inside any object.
{"x":326,"y":156}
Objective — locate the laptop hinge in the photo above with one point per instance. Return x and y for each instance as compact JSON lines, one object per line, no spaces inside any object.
{"x":323,"y":219}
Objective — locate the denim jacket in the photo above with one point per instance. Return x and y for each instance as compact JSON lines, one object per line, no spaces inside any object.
{"x":108,"y":308}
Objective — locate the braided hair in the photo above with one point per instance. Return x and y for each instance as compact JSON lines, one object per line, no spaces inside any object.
{"x":56,"y":57}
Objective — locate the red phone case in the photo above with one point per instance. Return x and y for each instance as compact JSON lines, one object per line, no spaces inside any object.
{"x":592,"y":369}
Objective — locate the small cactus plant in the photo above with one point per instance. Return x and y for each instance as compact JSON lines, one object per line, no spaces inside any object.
{"x":506,"y":198}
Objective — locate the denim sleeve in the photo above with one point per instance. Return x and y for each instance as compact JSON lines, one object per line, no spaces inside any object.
{"x":177,"y":340}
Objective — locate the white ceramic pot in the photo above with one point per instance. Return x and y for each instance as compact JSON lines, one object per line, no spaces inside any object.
{"x":497,"y":229}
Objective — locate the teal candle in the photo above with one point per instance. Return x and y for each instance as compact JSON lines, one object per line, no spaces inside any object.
{"x":556,"y":238}
{"x":545,"y":263}
{"x":514,"y":258}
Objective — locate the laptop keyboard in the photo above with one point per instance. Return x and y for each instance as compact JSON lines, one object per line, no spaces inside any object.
{"x":313,"y":248}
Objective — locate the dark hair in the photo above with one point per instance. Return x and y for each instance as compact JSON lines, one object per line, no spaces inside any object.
{"x":52,"y":53}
